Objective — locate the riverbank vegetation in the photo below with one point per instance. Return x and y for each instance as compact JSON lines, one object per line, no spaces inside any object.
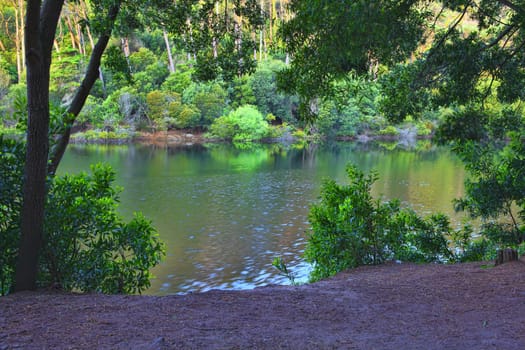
{"x":350,"y":228}
{"x":245,"y":71}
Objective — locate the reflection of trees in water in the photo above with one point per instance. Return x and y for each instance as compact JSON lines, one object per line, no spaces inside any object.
{"x":225,"y":213}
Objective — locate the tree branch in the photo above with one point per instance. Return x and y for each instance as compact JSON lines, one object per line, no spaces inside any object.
{"x":449,"y":31}
{"x":512,"y":6}
{"x":500,"y":36}
{"x":83,"y":90}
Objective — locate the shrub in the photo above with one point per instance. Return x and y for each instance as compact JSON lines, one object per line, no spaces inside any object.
{"x":141,"y":59}
{"x":151,"y":78}
{"x":11,"y":173}
{"x":209,"y":98}
{"x":263,"y":88}
{"x":87,"y":245}
{"x":163,"y":108}
{"x":389,"y":131}
{"x":178,"y":81}
{"x":246,"y":123}
{"x":188,"y":117}
{"x":350,"y":228}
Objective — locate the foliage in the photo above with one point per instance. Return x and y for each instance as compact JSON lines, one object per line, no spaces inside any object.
{"x":280,"y":265}
{"x":240,"y":92}
{"x":268,"y":99}
{"x":491,"y":144}
{"x":141,"y":59}
{"x":179,"y":80}
{"x":5,"y":80}
{"x":350,"y":228}
{"x":245,"y":123}
{"x":88,"y":246}
{"x":120,"y":135}
{"x":382,"y":32}
{"x":116,"y":64}
{"x":209,"y":98}
{"x":389,"y":131}
{"x":231,"y":51}
{"x":351,"y":111}
{"x":189,"y":117}
{"x":399,"y":98}
{"x":11,"y":170}
{"x":164,"y":108}
{"x":151,"y":78}
{"x":66,"y":69}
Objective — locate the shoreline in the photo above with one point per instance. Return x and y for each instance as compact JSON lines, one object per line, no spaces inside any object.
{"x":391,"y":306}
{"x":178,"y":137}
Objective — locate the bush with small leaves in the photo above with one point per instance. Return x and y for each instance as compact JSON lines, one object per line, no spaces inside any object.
{"x":246,"y":123}
{"x":87,"y":245}
{"x":350,"y":228}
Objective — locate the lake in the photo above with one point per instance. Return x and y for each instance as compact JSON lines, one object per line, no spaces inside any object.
{"x":225,"y":213}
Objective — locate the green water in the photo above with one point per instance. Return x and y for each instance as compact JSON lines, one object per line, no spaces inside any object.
{"x":226,"y":213}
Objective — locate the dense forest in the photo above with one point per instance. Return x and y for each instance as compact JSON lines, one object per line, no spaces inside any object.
{"x":246,"y":70}
{"x":154,"y":80}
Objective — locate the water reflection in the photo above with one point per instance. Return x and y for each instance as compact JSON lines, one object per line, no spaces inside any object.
{"x":225,"y":213}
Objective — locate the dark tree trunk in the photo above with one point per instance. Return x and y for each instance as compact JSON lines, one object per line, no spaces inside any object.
{"x":506,"y":255}
{"x":41,"y":22}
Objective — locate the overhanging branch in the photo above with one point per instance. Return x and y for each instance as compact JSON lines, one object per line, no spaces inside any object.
{"x":83,"y":90}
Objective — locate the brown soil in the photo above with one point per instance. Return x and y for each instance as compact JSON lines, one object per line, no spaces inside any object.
{"x":396,"y":306}
{"x":172,"y":137}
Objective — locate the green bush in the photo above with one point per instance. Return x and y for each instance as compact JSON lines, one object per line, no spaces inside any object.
{"x":87,"y":245}
{"x":240,"y":92}
{"x":263,"y":88}
{"x":352,"y":110}
{"x":178,"y":81}
{"x":246,"y":123}
{"x":163,"y":108}
{"x":188,"y":117}
{"x":424,"y":128}
{"x":11,"y":174}
{"x":141,"y":59}
{"x":350,"y":228}
{"x":151,"y":78}
{"x":389,"y":131}
{"x":209,"y":98}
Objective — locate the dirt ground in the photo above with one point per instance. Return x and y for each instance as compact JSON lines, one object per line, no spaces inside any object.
{"x":395,"y":306}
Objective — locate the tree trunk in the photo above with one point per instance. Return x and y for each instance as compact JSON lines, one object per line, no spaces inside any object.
{"x":506,"y":255}
{"x":22,"y":29}
{"x":171,"y":65}
{"x":100,"y":74}
{"x":18,"y":46}
{"x":41,"y":23}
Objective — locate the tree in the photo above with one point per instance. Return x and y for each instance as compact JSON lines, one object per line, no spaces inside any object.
{"x":41,"y":24}
{"x":329,"y":39}
{"x":463,"y":54}
{"x":42,"y":18}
